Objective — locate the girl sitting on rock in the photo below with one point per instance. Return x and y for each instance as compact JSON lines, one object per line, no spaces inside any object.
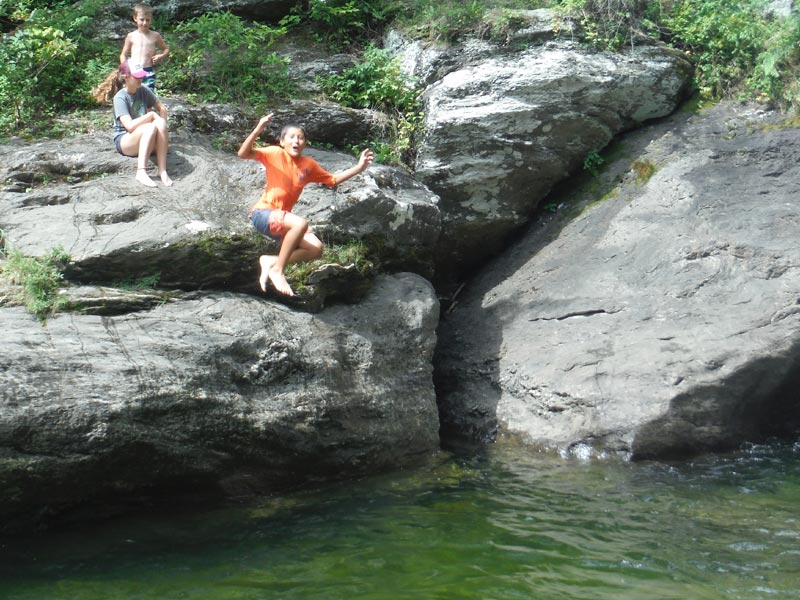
{"x":140,"y":121}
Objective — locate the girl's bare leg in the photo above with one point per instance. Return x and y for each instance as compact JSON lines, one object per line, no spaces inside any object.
{"x":140,"y":144}
{"x":162,"y":144}
{"x":298,"y":245}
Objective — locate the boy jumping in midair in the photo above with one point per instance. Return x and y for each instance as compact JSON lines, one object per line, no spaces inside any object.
{"x":288,"y":171}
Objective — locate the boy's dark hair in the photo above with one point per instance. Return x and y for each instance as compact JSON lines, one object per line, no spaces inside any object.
{"x":289,"y":126}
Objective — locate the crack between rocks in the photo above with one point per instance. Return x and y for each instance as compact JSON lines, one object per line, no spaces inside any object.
{"x":578,"y":313}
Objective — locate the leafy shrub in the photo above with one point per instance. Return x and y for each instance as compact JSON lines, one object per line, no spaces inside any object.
{"x":777,"y":68}
{"x":42,"y":67}
{"x":448,"y":20}
{"x":606,"y":24}
{"x":340,"y":23}
{"x":31,"y":61}
{"x":593,"y":162}
{"x":377,"y":82}
{"x":225,"y":59}
{"x":724,"y":39}
{"x":737,"y":48}
{"x":39,"y":279}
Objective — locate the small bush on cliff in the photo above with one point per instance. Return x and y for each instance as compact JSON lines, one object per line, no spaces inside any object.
{"x":606,"y":24}
{"x":38,"y":278}
{"x":738,"y":48}
{"x":31,"y":74}
{"x":345,"y":255}
{"x":222,"y":58}
{"x":448,"y":20}
{"x":377,"y":82}
{"x":341,"y":23}
{"x":723,"y":38}
{"x":47,"y":61}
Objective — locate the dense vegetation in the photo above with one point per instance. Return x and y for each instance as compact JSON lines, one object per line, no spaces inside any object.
{"x":51,"y":57}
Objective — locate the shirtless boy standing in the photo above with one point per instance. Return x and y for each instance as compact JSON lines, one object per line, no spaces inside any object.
{"x":145,"y":48}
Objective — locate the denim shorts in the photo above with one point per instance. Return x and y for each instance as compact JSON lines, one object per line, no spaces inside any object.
{"x":118,"y":144}
{"x":269,"y":222}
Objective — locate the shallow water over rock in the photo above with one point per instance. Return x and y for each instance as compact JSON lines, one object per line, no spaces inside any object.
{"x":502,"y":524}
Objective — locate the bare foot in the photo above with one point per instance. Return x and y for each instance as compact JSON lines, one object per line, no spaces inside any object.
{"x":266,"y":263}
{"x":165,"y":179}
{"x":143,"y":178}
{"x":279,"y":281}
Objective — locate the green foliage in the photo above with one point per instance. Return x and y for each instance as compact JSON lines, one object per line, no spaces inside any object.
{"x":30,"y":73}
{"x":338,"y":23}
{"x":724,"y":39}
{"x":146,"y":282}
{"x":43,"y":64}
{"x":377,"y":82}
{"x":448,"y":20}
{"x":353,"y":253}
{"x":18,"y":11}
{"x":738,"y":48}
{"x":39,"y":279}
{"x":384,"y":153}
{"x":606,"y":24}
{"x":225,"y":59}
{"x":777,"y":69}
{"x":593,"y":162}
{"x":551,"y":207}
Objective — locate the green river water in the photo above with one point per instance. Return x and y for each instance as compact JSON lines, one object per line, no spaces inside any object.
{"x":500,"y":524}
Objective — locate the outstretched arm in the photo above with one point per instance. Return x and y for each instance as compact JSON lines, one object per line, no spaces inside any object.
{"x":246,"y":149}
{"x":364,"y":160}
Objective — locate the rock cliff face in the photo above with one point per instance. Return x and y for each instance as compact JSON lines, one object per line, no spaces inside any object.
{"x":505,"y":123}
{"x":659,"y":316}
{"x":213,"y":391}
{"x":660,"y":321}
{"x":204,"y":383}
{"x":79,"y":193}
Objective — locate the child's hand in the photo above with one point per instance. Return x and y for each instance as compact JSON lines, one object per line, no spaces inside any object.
{"x":366,"y":158}
{"x":264,"y":120}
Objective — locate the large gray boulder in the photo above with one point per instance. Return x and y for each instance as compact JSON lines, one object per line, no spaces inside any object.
{"x":79,"y":193}
{"x":663,"y":320}
{"x":327,"y":124}
{"x":505,"y":122}
{"x":212,"y":391}
{"x":156,"y":391}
